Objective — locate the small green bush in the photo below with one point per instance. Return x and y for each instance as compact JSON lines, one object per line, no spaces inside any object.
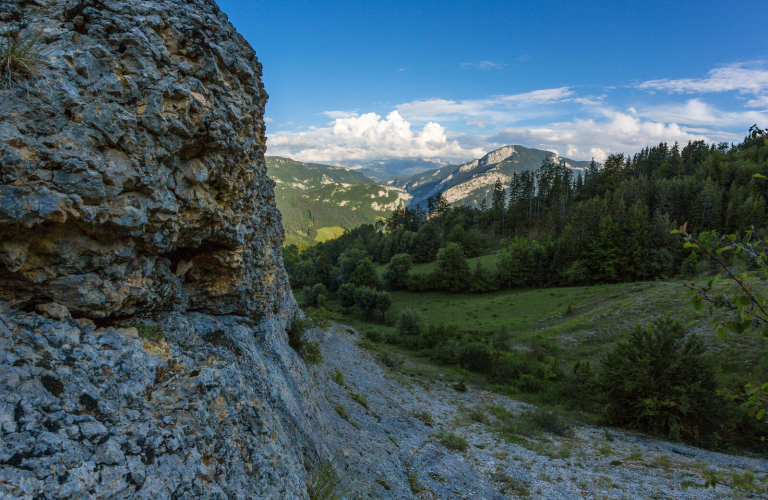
{"x":532,"y":422}
{"x":660,"y":381}
{"x":424,"y":416}
{"x":298,"y":341}
{"x":409,"y":322}
{"x":390,"y":359}
{"x":397,"y":272}
{"x":454,"y":442}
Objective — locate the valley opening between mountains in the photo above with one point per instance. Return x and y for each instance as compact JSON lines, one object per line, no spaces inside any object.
{"x":183,"y":317}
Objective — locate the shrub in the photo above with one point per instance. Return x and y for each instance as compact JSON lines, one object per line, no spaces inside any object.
{"x":346,"y":295}
{"x":482,"y":280}
{"x":369,"y":301}
{"x":298,"y":341}
{"x":20,"y":57}
{"x":436,"y":335}
{"x":383,"y":303}
{"x":454,"y":442}
{"x":424,"y":416}
{"x":409,"y":322}
{"x":390,"y":359}
{"x":476,"y":357}
{"x":398,"y":270}
{"x":530,"y":422}
{"x":365,"y":299}
{"x":661,"y":382}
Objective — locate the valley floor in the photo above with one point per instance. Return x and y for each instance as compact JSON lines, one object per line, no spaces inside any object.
{"x":392,"y":450}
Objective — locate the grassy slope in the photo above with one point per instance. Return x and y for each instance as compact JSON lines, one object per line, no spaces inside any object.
{"x":329,"y":233}
{"x":601,"y":315}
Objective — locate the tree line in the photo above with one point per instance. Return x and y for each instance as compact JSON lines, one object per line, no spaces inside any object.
{"x":554,"y":226}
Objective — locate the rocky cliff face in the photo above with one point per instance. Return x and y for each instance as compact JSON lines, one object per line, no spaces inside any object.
{"x":143,"y":302}
{"x":132,"y":173}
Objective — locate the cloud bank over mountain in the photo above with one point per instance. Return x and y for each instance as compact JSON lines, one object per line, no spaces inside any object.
{"x":717,"y":107}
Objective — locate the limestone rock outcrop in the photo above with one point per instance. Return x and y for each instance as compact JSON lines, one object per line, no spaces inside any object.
{"x":132,"y":172}
{"x":143,"y":300}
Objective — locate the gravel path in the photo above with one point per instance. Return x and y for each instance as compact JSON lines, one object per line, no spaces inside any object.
{"x":386,"y":444}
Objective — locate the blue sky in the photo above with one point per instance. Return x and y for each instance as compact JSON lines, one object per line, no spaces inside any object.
{"x":376,"y":79}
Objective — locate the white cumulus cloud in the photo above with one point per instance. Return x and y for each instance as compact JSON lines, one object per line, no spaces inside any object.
{"x":368,"y":136}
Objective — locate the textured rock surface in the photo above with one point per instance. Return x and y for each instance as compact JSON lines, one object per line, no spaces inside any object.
{"x":386,"y":444}
{"x":133,"y":189}
{"x":219,"y":408}
{"x":132,"y":173}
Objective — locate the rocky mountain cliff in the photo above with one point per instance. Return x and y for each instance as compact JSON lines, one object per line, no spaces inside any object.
{"x":143,"y":300}
{"x":473,"y":181}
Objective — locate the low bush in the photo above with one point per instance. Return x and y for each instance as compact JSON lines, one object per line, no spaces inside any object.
{"x":410,"y":322}
{"x":661,"y":381}
{"x":454,"y":442}
{"x":298,"y":341}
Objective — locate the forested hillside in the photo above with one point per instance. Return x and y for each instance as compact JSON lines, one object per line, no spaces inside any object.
{"x":312,"y":196}
{"x":552,"y":227}
{"x":648,"y":362}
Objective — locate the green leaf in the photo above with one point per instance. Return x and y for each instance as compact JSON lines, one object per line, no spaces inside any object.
{"x":759,"y":176}
{"x":690,"y":245}
{"x":732,"y":237}
{"x":760,"y":414}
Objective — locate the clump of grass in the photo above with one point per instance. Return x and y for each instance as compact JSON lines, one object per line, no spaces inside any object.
{"x":454,"y":442}
{"x":298,"y":341}
{"x":342,"y":411}
{"x":338,"y":377}
{"x":511,"y":485}
{"x":413,"y":482}
{"x":21,"y":56}
{"x":152,"y":333}
{"x":662,"y":461}
{"x":325,"y":483}
{"x":479,"y":416}
{"x":360,"y":398}
{"x":532,"y":422}
{"x":460,"y":386}
{"x":424,"y":416}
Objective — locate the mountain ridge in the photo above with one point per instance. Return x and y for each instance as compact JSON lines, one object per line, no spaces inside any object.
{"x":312,"y":196}
{"x":473,"y":181}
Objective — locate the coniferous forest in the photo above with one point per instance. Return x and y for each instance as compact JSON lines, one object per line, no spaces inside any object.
{"x":554,"y":227}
